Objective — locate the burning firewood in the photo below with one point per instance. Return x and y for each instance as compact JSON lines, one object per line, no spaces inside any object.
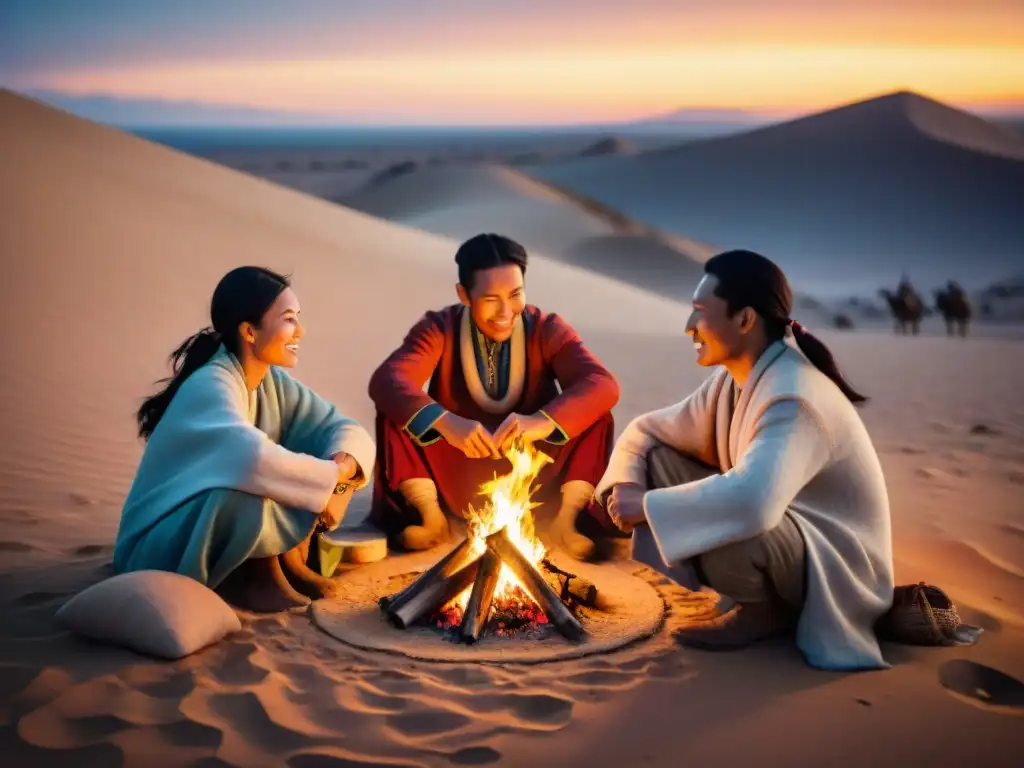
{"x":446,"y":566}
{"x":430,"y":595}
{"x":501,"y":558}
{"x":480,"y":599}
{"x":539,"y":589}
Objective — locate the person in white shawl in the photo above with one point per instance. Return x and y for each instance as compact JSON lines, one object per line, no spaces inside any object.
{"x":763,"y":484}
{"x":242,"y":462}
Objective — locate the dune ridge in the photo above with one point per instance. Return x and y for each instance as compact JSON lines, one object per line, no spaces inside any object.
{"x":553,"y":221}
{"x":853,"y":196}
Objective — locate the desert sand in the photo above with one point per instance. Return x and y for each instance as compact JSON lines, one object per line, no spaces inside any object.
{"x":112,"y":247}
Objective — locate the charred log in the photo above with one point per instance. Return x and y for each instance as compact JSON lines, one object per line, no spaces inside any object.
{"x":452,"y":562}
{"x":539,"y":589}
{"x":431,"y":595}
{"x":480,"y":599}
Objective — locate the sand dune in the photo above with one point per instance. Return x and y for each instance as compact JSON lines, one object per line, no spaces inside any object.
{"x":111,"y":249}
{"x":843,"y":199}
{"x":461,"y":201}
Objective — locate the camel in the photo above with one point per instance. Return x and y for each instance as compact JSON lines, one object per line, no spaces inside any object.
{"x":955,"y":308}
{"x":906,"y":307}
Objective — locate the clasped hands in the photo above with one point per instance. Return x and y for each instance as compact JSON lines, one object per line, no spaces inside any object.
{"x":477,"y":442}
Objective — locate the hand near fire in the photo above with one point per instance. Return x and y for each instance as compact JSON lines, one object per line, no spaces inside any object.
{"x":626,"y":506}
{"x":470,"y":437}
{"x":516,"y":426}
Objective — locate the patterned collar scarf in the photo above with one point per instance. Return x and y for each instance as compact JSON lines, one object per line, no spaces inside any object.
{"x":492,"y":358}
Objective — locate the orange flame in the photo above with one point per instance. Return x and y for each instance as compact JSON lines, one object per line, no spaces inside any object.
{"x":509,"y":506}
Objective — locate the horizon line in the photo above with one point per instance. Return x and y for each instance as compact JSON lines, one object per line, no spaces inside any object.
{"x":269,"y":117}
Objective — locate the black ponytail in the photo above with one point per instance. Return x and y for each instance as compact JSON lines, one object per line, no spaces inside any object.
{"x":814,"y":349}
{"x":748,"y":279}
{"x":193,"y":353}
{"x":242,"y":296}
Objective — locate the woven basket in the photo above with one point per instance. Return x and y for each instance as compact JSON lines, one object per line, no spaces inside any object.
{"x":920,"y":615}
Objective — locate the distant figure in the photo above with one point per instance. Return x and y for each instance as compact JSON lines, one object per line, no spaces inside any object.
{"x":763,"y":484}
{"x":241,"y":460}
{"x":906,"y":306}
{"x":499,"y":369}
{"x":955,"y":307}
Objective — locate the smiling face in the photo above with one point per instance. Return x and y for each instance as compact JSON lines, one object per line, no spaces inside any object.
{"x":276,"y":340}
{"x":717,"y":337}
{"x":497,"y":297}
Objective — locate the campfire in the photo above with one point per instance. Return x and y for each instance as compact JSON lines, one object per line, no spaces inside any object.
{"x":498,"y":575}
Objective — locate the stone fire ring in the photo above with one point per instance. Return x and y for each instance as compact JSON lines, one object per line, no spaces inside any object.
{"x":635,"y":611}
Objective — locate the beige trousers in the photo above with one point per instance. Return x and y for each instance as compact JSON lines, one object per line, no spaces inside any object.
{"x":769,"y":568}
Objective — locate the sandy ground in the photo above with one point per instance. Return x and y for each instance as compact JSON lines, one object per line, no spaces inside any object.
{"x":112,"y":247}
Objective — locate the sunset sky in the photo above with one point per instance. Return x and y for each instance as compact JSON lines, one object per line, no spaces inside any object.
{"x":518,"y":61}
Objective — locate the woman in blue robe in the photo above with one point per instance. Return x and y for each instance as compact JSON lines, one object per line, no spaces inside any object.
{"x":242,"y":462}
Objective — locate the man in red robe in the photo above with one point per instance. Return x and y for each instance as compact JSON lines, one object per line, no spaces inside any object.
{"x":499,"y":369}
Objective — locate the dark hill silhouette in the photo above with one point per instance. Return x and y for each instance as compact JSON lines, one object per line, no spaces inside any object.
{"x":861,"y":193}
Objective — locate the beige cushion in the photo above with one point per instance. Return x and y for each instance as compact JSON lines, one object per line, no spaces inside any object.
{"x":152,"y":612}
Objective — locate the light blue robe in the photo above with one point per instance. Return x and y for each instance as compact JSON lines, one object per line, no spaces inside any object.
{"x":229,"y":475}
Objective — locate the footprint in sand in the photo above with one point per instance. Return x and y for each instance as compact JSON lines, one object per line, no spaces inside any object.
{"x":101,"y":755}
{"x":931,"y":473}
{"x":210,"y":762}
{"x":602,"y":680}
{"x":469,"y":677}
{"x":91,"y":550}
{"x":539,"y":709}
{"x":983,"y":686}
{"x":380,"y":702}
{"x":1012,"y":530}
{"x":238,"y":667}
{"x":190,"y":734}
{"x":176,"y":686}
{"x":475,"y":756}
{"x":983,"y":429}
{"x":327,"y":760}
{"x":17,"y":546}
{"x":18,"y":517}
{"x":427,"y":722}
{"x":396,"y":683}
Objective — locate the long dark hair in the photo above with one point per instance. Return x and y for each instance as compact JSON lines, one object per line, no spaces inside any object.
{"x":748,"y":279}
{"x":486,"y":251}
{"x":243,"y":295}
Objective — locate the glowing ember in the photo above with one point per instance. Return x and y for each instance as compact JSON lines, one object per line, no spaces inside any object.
{"x":515,"y":611}
{"x":508,"y":505}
